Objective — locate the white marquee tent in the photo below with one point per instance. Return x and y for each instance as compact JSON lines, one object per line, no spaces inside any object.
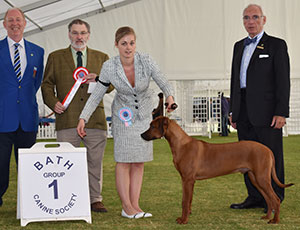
{"x":192,"y":40}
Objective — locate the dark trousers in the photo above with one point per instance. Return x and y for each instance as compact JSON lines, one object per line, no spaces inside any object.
{"x":224,"y":125}
{"x":268,"y":136}
{"x":18,"y":139}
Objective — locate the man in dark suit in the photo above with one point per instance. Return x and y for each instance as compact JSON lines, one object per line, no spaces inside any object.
{"x":58,"y":81}
{"x":21,"y":71}
{"x":259,"y":98}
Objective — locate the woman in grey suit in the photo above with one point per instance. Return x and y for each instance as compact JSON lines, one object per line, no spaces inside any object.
{"x":130,"y":73}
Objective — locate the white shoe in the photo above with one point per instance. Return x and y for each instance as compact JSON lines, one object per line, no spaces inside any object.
{"x":146,"y":214}
{"x":134,"y":216}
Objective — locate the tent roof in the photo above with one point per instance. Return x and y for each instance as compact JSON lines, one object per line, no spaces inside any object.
{"x":45,"y":14}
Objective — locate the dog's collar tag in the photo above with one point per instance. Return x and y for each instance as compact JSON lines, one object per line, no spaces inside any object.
{"x":125,"y":115}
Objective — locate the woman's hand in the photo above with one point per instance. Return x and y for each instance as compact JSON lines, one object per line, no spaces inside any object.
{"x":170,"y":102}
{"x":90,"y":77}
{"x":80,"y":128}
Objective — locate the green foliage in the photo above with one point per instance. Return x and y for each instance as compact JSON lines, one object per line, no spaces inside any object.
{"x":161,"y":195}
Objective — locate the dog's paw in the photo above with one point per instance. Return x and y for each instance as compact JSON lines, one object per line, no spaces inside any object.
{"x":273,"y":221}
{"x":180,"y":220}
{"x":267,"y":217}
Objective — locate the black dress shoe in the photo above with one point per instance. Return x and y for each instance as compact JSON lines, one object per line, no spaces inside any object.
{"x":247,"y":204}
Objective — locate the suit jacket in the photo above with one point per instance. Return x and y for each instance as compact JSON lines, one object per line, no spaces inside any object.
{"x":267,"y":83}
{"x":58,"y":80}
{"x":18,"y":105}
{"x":137,"y":98}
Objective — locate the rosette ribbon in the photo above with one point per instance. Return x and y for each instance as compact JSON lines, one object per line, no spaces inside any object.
{"x":125,"y":115}
{"x":78,"y":76}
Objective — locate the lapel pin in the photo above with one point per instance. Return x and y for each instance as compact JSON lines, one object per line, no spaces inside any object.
{"x":260,"y":47}
{"x":31,"y":55}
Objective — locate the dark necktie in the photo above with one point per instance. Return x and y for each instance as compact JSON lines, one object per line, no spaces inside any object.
{"x":79,"y":59}
{"x":248,"y":41}
{"x":17,"y":62}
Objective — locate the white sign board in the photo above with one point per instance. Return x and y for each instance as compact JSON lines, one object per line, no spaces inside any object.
{"x":53,"y":183}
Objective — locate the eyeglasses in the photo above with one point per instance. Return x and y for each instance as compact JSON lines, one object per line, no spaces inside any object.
{"x":75,"y":33}
{"x":254,"y":17}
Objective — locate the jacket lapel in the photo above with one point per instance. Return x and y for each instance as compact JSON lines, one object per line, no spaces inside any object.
{"x":30,"y":55}
{"x":4,"y":53}
{"x":121,"y":73}
{"x":69,"y":58}
{"x":259,"y":47}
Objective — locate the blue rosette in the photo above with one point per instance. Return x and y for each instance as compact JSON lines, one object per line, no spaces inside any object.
{"x":125,"y":115}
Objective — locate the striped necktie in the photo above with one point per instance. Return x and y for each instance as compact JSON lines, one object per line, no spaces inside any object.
{"x":17,"y":62}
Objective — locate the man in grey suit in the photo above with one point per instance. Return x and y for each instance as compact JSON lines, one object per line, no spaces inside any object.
{"x":259,"y":98}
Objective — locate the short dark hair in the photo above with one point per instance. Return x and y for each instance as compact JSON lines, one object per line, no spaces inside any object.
{"x":79,"y":21}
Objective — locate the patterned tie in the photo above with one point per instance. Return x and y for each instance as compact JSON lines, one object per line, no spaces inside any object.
{"x":248,"y":41}
{"x":79,"y":59}
{"x":17,"y":62}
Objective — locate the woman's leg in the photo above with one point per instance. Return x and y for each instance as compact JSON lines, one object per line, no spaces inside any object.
{"x":123,"y":187}
{"x":136,"y":180}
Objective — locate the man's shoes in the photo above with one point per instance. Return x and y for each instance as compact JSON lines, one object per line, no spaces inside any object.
{"x":247,"y":204}
{"x":98,"y":207}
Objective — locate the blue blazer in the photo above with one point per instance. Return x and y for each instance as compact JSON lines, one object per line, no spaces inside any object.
{"x":18,"y":105}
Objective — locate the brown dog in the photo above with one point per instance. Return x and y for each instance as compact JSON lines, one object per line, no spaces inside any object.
{"x":199,"y":160}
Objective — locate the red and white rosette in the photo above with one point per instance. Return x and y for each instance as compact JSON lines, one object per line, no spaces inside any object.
{"x":78,"y":76}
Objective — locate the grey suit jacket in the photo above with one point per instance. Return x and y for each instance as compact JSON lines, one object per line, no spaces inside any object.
{"x":139,"y":98}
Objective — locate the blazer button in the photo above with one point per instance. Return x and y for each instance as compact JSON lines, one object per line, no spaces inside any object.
{"x":136,"y":101}
{"x":134,"y":95}
{"x":136,"y":107}
{"x":19,"y":87}
{"x":81,"y":99}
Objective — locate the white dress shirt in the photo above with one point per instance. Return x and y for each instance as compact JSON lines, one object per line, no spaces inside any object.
{"x":248,"y":51}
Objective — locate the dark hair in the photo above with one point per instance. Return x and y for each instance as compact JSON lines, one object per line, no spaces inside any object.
{"x":14,"y":8}
{"x":122,"y":31}
{"x":79,"y":21}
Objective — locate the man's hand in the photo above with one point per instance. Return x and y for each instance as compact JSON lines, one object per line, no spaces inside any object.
{"x":231,"y":123}
{"x":59,"y":108}
{"x":278,"y":122}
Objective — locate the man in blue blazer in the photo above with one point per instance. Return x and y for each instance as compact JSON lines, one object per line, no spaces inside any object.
{"x":21,"y":71}
{"x":260,"y":92}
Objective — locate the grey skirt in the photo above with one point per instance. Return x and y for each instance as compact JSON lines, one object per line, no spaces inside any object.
{"x":129,"y":147}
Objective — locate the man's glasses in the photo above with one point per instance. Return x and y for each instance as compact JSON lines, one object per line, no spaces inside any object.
{"x":254,"y":17}
{"x":75,"y":33}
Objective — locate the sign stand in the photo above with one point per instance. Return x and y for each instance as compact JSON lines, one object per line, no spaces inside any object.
{"x":53,"y":183}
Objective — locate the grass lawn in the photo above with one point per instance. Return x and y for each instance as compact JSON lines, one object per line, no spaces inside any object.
{"x":161,"y":195}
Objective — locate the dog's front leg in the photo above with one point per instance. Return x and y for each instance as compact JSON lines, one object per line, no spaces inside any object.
{"x":187,"y":196}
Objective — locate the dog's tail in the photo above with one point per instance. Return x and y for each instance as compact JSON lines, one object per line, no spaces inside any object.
{"x":275,"y":178}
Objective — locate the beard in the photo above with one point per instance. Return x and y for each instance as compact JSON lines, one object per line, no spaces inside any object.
{"x":81,"y":45}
